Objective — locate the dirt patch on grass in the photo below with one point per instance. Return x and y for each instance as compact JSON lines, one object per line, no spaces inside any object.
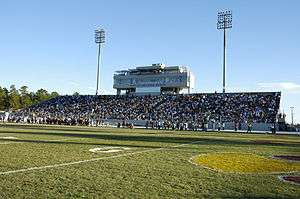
{"x":288,"y":157}
{"x":292,"y":179}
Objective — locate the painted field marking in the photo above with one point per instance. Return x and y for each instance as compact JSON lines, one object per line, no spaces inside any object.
{"x":108,"y":149}
{"x":191,"y":160}
{"x":281,"y":178}
{"x":24,"y":141}
{"x":8,"y":138}
{"x":10,"y":142}
{"x":92,"y":160}
{"x":59,"y":140}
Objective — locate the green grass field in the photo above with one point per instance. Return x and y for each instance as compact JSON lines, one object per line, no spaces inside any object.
{"x":55,"y":162}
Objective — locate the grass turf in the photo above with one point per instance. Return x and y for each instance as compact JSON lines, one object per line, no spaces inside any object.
{"x":159,"y":166}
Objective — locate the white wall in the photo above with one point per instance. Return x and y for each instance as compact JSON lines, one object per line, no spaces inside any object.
{"x":147,"y":90}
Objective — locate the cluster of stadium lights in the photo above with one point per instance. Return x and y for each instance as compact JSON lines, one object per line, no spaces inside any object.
{"x":224,"y":20}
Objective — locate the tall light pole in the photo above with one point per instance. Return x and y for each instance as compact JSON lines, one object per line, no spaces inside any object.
{"x":292,"y":115}
{"x":224,"y":22}
{"x":99,"y":39}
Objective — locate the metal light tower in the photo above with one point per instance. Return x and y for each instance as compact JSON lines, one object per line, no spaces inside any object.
{"x":99,"y":39}
{"x":292,"y":115}
{"x":224,"y":22}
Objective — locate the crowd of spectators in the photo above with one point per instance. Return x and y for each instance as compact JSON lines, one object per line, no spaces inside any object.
{"x":165,"y":111}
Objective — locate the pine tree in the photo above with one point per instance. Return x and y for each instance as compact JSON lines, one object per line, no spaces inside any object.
{"x":2,"y":99}
{"x":54,"y":94}
{"x":42,"y":95}
{"x":25,"y":97}
{"x":14,"y":98}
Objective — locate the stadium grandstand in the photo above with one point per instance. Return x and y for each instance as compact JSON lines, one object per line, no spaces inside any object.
{"x":183,"y":111}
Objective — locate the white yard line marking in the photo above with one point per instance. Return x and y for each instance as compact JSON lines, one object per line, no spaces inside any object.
{"x":281,"y":178}
{"x":91,"y":160}
{"x":10,"y":142}
{"x":24,"y":141}
{"x":66,"y":139}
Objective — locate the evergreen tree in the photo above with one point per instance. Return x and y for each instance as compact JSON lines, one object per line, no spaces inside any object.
{"x":14,"y":98}
{"x":2,"y":99}
{"x":54,"y":94}
{"x":6,"y":99}
{"x":25,"y":97}
{"x":42,"y":95}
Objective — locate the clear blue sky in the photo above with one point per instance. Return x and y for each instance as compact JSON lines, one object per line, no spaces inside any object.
{"x":50,"y":44}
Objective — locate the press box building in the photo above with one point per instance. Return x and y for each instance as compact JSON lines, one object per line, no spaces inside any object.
{"x":154,"y":79}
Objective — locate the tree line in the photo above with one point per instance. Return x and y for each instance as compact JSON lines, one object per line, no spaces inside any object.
{"x":14,"y":99}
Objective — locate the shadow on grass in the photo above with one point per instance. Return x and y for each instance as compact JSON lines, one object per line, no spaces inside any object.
{"x":80,"y":143}
{"x":158,"y":139}
{"x":56,"y":128}
{"x":258,"y":197}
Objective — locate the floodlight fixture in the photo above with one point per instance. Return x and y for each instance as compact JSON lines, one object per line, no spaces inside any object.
{"x":99,"y":36}
{"x":224,"y":20}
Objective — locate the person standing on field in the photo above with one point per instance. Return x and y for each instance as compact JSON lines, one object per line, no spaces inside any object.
{"x":249,"y":125}
{"x":219,"y":126}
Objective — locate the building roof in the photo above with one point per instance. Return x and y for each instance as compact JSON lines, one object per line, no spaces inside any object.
{"x":154,"y":68}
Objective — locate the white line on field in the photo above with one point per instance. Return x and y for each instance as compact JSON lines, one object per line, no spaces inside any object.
{"x":66,"y":139}
{"x":24,"y":141}
{"x":281,"y":178}
{"x":10,"y":142}
{"x":90,"y":160}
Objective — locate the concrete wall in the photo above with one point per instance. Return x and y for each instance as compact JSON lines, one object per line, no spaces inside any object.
{"x":255,"y":126}
{"x":228,"y":125}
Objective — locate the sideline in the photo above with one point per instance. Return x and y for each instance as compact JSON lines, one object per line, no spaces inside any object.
{"x":111,"y":126}
{"x":91,"y":160}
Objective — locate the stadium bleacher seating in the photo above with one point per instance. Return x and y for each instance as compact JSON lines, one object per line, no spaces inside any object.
{"x":189,"y":108}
